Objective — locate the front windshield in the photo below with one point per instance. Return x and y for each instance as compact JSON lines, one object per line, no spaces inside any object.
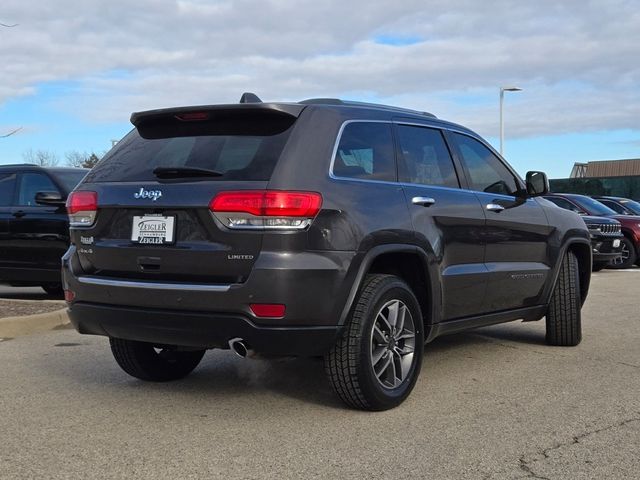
{"x":593,"y":207}
{"x":631,"y":205}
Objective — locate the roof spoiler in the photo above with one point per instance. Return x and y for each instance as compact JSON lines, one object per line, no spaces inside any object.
{"x":216,"y":112}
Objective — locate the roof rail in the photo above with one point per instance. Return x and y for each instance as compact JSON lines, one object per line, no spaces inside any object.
{"x":351,"y":103}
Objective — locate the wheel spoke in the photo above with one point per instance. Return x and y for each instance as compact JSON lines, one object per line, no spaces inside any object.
{"x":405,"y":364}
{"x":377,"y":354}
{"x":405,"y":350}
{"x":384,"y":365}
{"x":402,"y":312}
{"x":393,"y":313}
{"x":405,"y":335}
{"x":378,"y":336}
{"x":385,"y":322}
{"x":395,"y":381}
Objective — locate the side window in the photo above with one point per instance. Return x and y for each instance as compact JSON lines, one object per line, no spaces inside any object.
{"x":562,"y":203}
{"x":7,"y":186}
{"x":366,"y":151}
{"x":425,"y":158}
{"x":486,"y":172}
{"x":32,"y":183}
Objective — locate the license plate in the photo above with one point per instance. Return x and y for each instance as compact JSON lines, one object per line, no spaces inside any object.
{"x":153,"y":229}
{"x":616,"y":243}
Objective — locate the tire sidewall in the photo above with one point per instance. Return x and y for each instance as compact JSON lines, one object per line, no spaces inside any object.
{"x":394,"y":289}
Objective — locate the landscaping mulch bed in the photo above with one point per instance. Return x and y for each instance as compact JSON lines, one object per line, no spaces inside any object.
{"x":12,"y":308}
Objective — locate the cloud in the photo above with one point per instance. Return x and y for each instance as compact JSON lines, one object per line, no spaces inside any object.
{"x":577,"y":60}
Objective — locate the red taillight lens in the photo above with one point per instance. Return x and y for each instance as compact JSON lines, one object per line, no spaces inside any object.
{"x":268,"y":310}
{"x":268,"y":203}
{"x":82,"y":201}
{"x":82,"y":207}
{"x":238,"y":202}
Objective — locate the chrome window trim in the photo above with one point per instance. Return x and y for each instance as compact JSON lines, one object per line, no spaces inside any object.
{"x":408,"y":184}
{"x":106,"y":282}
{"x":335,"y":151}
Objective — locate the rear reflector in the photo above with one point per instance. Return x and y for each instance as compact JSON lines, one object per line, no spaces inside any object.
{"x":268,"y":310}
{"x":82,"y":207}
{"x":69,"y":296}
{"x":266,"y":209}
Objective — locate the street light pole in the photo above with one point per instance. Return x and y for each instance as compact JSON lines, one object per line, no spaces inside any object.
{"x":502,"y":90}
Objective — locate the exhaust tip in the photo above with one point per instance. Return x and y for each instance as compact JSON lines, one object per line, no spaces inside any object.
{"x":239,"y":347}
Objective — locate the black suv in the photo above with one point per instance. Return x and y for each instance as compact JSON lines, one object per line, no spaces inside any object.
{"x":34,"y":229}
{"x":606,"y":240}
{"x":327,"y":228}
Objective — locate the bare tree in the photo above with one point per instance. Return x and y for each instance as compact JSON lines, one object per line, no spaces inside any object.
{"x":44,"y":158}
{"x":82,"y":159}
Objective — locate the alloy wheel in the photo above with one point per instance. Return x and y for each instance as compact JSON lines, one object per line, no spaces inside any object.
{"x":393,"y":341}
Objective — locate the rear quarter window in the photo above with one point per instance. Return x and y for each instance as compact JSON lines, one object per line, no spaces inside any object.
{"x":365,"y":151}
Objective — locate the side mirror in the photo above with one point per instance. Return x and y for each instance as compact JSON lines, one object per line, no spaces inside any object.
{"x":537,"y":184}
{"x":49,"y":198}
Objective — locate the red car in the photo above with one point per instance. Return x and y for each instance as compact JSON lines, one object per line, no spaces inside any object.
{"x":584,"y":205}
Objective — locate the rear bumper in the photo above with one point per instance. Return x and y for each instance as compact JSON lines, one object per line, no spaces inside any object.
{"x":312,"y":285}
{"x":201,"y":330}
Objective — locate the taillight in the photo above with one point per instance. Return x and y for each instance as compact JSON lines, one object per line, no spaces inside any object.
{"x":82,"y":207}
{"x":266,"y":209}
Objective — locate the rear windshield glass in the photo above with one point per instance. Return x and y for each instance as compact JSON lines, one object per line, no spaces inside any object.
{"x":235,"y":156}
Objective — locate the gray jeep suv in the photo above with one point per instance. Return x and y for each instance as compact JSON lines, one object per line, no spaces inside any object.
{"x":352,"y":231}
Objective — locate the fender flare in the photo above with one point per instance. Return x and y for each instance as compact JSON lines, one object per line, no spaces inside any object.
{"x":433,"y":293}
{"x":585,"y":278}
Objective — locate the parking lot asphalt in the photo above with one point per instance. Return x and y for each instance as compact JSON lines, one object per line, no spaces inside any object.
{"x":495,"y":403}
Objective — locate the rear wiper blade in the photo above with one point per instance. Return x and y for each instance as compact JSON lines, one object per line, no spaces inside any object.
{"x":183,"y":172}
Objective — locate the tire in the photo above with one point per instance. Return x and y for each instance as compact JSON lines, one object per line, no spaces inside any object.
{"x":53,"y":289}
{"x":564,"y":325}
{"x":628,"y":255}
{"x":141,"y":360}
{"x":599,"y":266}
{"x":350,"y":363}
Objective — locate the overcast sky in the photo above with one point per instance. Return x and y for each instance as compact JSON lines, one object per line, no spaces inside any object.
{"x":72,"y":72}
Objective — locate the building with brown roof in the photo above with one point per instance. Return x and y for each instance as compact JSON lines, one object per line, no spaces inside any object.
{"x":607,"y":168}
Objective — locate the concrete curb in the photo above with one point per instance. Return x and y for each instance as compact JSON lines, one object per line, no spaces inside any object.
{"x":11,"y":327}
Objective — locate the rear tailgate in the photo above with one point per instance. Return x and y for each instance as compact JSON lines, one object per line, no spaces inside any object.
{"x":201,"y":249}
{"x":162,"y":228}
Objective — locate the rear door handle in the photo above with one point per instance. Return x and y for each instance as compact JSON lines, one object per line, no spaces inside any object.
{"x":423,"y":201}
{"x":494,"y":207}
{"x":19,"y":213}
